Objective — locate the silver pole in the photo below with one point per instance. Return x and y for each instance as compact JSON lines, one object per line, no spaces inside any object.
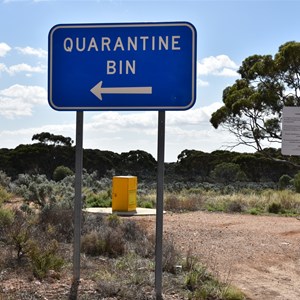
{"x":159,"y":204}
{"x":78,"y":191}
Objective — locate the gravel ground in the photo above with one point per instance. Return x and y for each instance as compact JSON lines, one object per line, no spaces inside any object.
{"x":258,"y":254}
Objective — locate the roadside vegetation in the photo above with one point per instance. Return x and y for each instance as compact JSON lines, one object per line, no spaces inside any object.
{"x":36,"y":231}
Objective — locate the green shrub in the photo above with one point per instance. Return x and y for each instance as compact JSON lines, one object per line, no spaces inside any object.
{"x":43,"y":257}
{"x":297,"y":182}
{"x":6,"y":216}
{"x":147,"y":204}
{"x":113,"y":221}
{"x":35,"y":188}
{"x":172,"y":203}
{"x":235,"y":206}
{"x":228,"y":172}
{"x":275,"y":208}
{"x":133,"y":231}
{"x":19,"y":233}
{"x":92,"y":244}
{"x":170,"y":256}
{"x":232,"y":293}
{"x":61,"y":172}
{"x":101,"y":199}
{"x":109,"y":242}
{"x":57,"y":222}
{"x":203,"y":285}
{"x":4,"y":195}
{"x":4,"y":180}
{"x":284,"y":182}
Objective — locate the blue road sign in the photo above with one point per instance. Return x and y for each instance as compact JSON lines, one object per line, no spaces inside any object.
{"x":136,"y":66}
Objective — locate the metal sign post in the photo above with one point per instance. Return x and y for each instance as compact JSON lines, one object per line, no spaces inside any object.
{"x":159,"y":204}
{"x":78,"y":196}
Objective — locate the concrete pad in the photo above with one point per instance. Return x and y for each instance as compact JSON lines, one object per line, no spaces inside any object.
{"x":108,"y":210}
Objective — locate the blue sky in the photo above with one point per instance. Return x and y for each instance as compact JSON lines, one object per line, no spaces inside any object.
{"x":227,"y":33}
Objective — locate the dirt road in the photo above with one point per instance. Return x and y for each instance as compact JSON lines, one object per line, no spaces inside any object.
{"x":258,"y":254}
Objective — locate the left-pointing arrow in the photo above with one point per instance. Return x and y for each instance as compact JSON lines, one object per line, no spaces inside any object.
{"x":98,"y":90}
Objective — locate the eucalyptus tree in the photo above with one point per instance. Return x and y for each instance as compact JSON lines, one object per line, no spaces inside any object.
{"x":252,"y":109}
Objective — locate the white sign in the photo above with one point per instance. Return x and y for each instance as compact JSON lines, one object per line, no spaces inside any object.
{"x":290,"y":131}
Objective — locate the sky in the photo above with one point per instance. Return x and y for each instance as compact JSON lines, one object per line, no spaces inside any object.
{"x":227,"y":33}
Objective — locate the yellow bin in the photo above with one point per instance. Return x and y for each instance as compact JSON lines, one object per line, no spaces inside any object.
{"x":124,"y":193}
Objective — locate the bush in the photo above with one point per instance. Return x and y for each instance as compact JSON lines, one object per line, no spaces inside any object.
{"x":109,"y":242}
{"x":35,"y":188}
{"x":61,"y":172}
{"x":57,"y":222}
{"x":181,"y":203}
{"x":170,"y":256}
{"x":92,"y":244}
{"x":6,"y":220}
{"x":228,"y":172}
{"x":4,"y":180}
{"x":19,"y":232}
{"x":4,"y":195}
{"x":102,"y":199}
{"x":43,"y":257}
{"x":274,"y":208}
{"x":235,"y":207}
{"x":284,"y":182}
{"x":297,"y":182}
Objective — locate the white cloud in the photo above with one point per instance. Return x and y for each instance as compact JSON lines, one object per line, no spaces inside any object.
{"x":41,"y":53}
{"x":12,"y":70}
{"x":116,"y":121}
{"x":220,"y":65}
{"x":3,"y":68}
{"x":201,"y":82}
{"x":140,"y":121}
{"x":4,"y":49}
{"x":19,"y":100}
{"x":122,"y":132}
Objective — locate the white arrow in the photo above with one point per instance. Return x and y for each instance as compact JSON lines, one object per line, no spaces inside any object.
{"x":98,"y":90}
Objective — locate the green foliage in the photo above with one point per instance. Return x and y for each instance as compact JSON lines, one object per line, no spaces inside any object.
{"x":297,"y":182}
{"x":252,"y":108}
{"x":139,"y":162}
{"x":6,"y":219}
{"x":19,"y":232}
{"x":275,"y":208}
{"x":4,"y":180}
{"x":109,"y":240}
{"x":43,"y":257}
{"x":235,"y":207}
{"x":228,"y":172}
{"x":57,"y":223}
{"x":61,"y":172}
{"x":111,"y":236}
{"x":100,"y":199}
{"x":114,"y":221}
{"x":4,"y":195}
{"x":284,"y":182}
{"x":46,"y":137}
{"x":202,"y":285}
{"x":171,"y":256}
{"x":232,"y":293}
{"x":110,"y":243}
{"x":183,"y":202}
{"x":35,"y":188}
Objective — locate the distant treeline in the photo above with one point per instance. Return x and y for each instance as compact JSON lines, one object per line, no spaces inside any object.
{"x":192,"y":165}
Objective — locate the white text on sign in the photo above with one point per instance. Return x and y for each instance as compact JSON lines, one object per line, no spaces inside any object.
{"x":135,"y":43}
